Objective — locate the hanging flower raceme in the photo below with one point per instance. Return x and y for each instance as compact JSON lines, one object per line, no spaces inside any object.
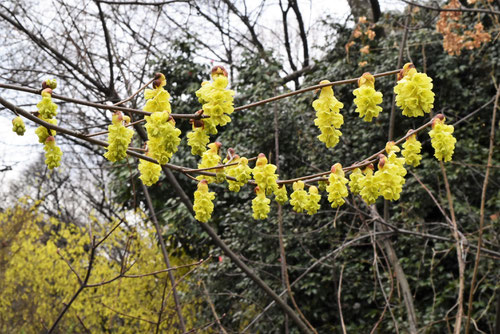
{"x":260,"y":204}
{"x":336,"y":188}
{"x":203,"y":206}
{"x":241,"y":172}
{"x":163,"y":136}
{"x":217,"y":101}
{"x":414,"y":92}
{"x":442,"y":139}
{"x":328,"y":117}
{"x":367,"y":98}
{"x":354,"y":183}
{"x":53,"y":153}
{"x":411,"y":151}
{"x":18,"y":126}
{"x":389,"y":179}
{"x":157,"y":99}
{"x":264,"y":175}
{"x":119,"y":138}
{"x":150,"y":171}
{"x":199,"y":137}
{"x":299,"y":197}
{"x":391,"y":148}
{"x":210,"y":158}
{"x":370,"y":189}
{"x":281,"y":195}
{"x":312,"y":206}
{"x":46,"y":107}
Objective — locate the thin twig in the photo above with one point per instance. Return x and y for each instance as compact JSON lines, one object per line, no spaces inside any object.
{"x":339,"y":291}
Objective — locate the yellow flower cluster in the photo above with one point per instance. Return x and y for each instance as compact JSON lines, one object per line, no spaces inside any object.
{"x":264,"y":175}
{"x":18,"y":126}
{"x":163,"y":136}
{"x":369,"y":187}
{"x":312,"y":206}
{"x":150,"y":172}
{"x":198,"y":140}
{"x":336,"y":188}
{"x":47,"y":110}
{"x":414,"y":92}
{"x":328,"y":117}
{"x":119,"y":138}
{"x":442,"y":139}
{"x":241,"y":172}
{"x":260,"y":204}
{"x":390,"y":176}
{"x":354,"y":183}
{"x":210,"y":158}
{"x":299,"y":197}
{"x":203,"y":206}
{"x":281,"y":195}
{"x":216,"y":99}
{"x":367,"y":98}
{"x":46,"y":107}
{"x":157,"y":99}
{"x":53,"y":153}
{"x":217,"y":103}
{"x":411,"y":151}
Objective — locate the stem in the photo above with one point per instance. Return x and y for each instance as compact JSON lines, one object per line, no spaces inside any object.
{"x":178,"y":307}
{"x":460,"y":256}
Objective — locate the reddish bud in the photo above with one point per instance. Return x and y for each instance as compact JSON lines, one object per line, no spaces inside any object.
{"x":47,"y":90}
{"x":219,"y":70}
{"x":156,"y":83}
{"x":406,"y":68}
{"x":49,"y":139}
{"x":381,"y":160}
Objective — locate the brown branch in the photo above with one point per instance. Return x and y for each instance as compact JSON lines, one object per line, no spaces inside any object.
{"x":178,"y":307}
{"x":95,"y":105}
{"x":339,"y":303}
{"x":212,"y":308}
{"x":481,"y":211}
{"x":460,"y":254}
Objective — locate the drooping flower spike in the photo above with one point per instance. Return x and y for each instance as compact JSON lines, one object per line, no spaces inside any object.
{"x":281,"y":195}
{"x":370,"y":189}
{"x":203,"y":206}
{"x":336,"y":188}
{"x":241,"y":172}
{"x":53,"y":153}
{"x":411,"y":151}
{"x":199,"y":137}
{"x":442,"y":139}
{"x":264,"y":175}
{"x":367,"y":98}
{"x":312,"y":206}
{"x":260,"y":204}
{"x":217,"y":102}
{"x":210,"y":158}
{"x":389,"y":178}
{"x":163,"y":136}
{"x":414,"y":92}
{"x":150,"y":172}
{"x":328,"y":117}
{"x":157,"y":99}
{"x":299,"y":197}
{"x":119,"y":138}
{"x":18,"y":126}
